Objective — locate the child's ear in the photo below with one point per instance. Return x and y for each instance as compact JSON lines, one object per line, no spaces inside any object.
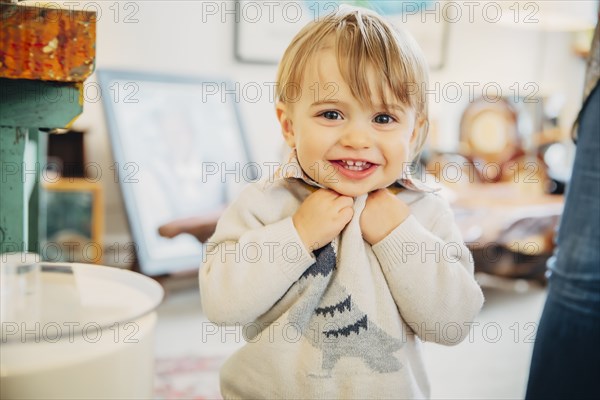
{"x":416,"y":139}
{"x":284,"y":117}
{"x":419,"y":124}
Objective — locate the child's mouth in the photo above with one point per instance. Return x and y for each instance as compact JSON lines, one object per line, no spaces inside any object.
{"x":354,"y":169}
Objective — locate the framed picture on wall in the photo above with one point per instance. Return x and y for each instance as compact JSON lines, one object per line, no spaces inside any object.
{"x":263,"y":30}
{"x":173,"y":139}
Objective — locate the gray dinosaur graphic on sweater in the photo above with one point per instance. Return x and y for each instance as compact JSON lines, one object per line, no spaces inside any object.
{"x":332,"y":322}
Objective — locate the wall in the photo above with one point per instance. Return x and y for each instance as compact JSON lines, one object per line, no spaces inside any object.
{"x":170,"y":37}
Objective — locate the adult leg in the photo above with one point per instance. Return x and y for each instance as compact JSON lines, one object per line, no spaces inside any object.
{"x":566,"y":357}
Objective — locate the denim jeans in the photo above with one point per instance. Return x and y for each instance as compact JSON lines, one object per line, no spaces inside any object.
{"x":566,"y":355}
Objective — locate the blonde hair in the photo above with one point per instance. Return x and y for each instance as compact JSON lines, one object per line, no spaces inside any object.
{"x":361,"y":39}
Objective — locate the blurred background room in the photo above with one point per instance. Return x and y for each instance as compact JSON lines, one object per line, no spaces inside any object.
{"x":177,"y":115}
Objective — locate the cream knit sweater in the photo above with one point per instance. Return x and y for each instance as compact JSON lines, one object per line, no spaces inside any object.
{"x":344,"y":322}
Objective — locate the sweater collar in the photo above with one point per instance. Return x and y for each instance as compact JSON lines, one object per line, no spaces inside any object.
{"x":292,"y":170}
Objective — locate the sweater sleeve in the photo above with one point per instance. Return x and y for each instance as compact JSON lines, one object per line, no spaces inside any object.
{"x":248,"y":265}
{"x":430,"y":276}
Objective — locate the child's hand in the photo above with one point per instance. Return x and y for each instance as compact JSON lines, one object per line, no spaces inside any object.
{"x":381,"y":215}
{"x":321,"y":217}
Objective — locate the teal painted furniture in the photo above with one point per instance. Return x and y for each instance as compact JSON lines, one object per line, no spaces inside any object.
{"x":45,"y":56}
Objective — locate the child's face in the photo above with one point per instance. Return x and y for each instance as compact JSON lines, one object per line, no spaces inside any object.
{"x":331,"y":130}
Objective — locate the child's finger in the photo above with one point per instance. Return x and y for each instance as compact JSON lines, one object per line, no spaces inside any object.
{"x":344,"y":201}
{"x":346,"y":213}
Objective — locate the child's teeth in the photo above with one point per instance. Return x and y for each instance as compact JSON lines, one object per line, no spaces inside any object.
{"x":356,"y":165}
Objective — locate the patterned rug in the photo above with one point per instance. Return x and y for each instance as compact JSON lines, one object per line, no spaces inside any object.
{"x":187,"y":377}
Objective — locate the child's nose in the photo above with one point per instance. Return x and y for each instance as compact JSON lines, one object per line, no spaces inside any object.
{"x":357,"y":137}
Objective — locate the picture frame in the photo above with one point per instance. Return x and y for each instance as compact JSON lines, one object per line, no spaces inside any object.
{"x":74,"y":220}
{"x":263,"y":30}
{"x":169,"y":134}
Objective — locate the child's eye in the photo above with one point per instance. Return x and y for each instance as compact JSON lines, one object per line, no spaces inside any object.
{"x":331,"y":115}
{"x":384,"y":119}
